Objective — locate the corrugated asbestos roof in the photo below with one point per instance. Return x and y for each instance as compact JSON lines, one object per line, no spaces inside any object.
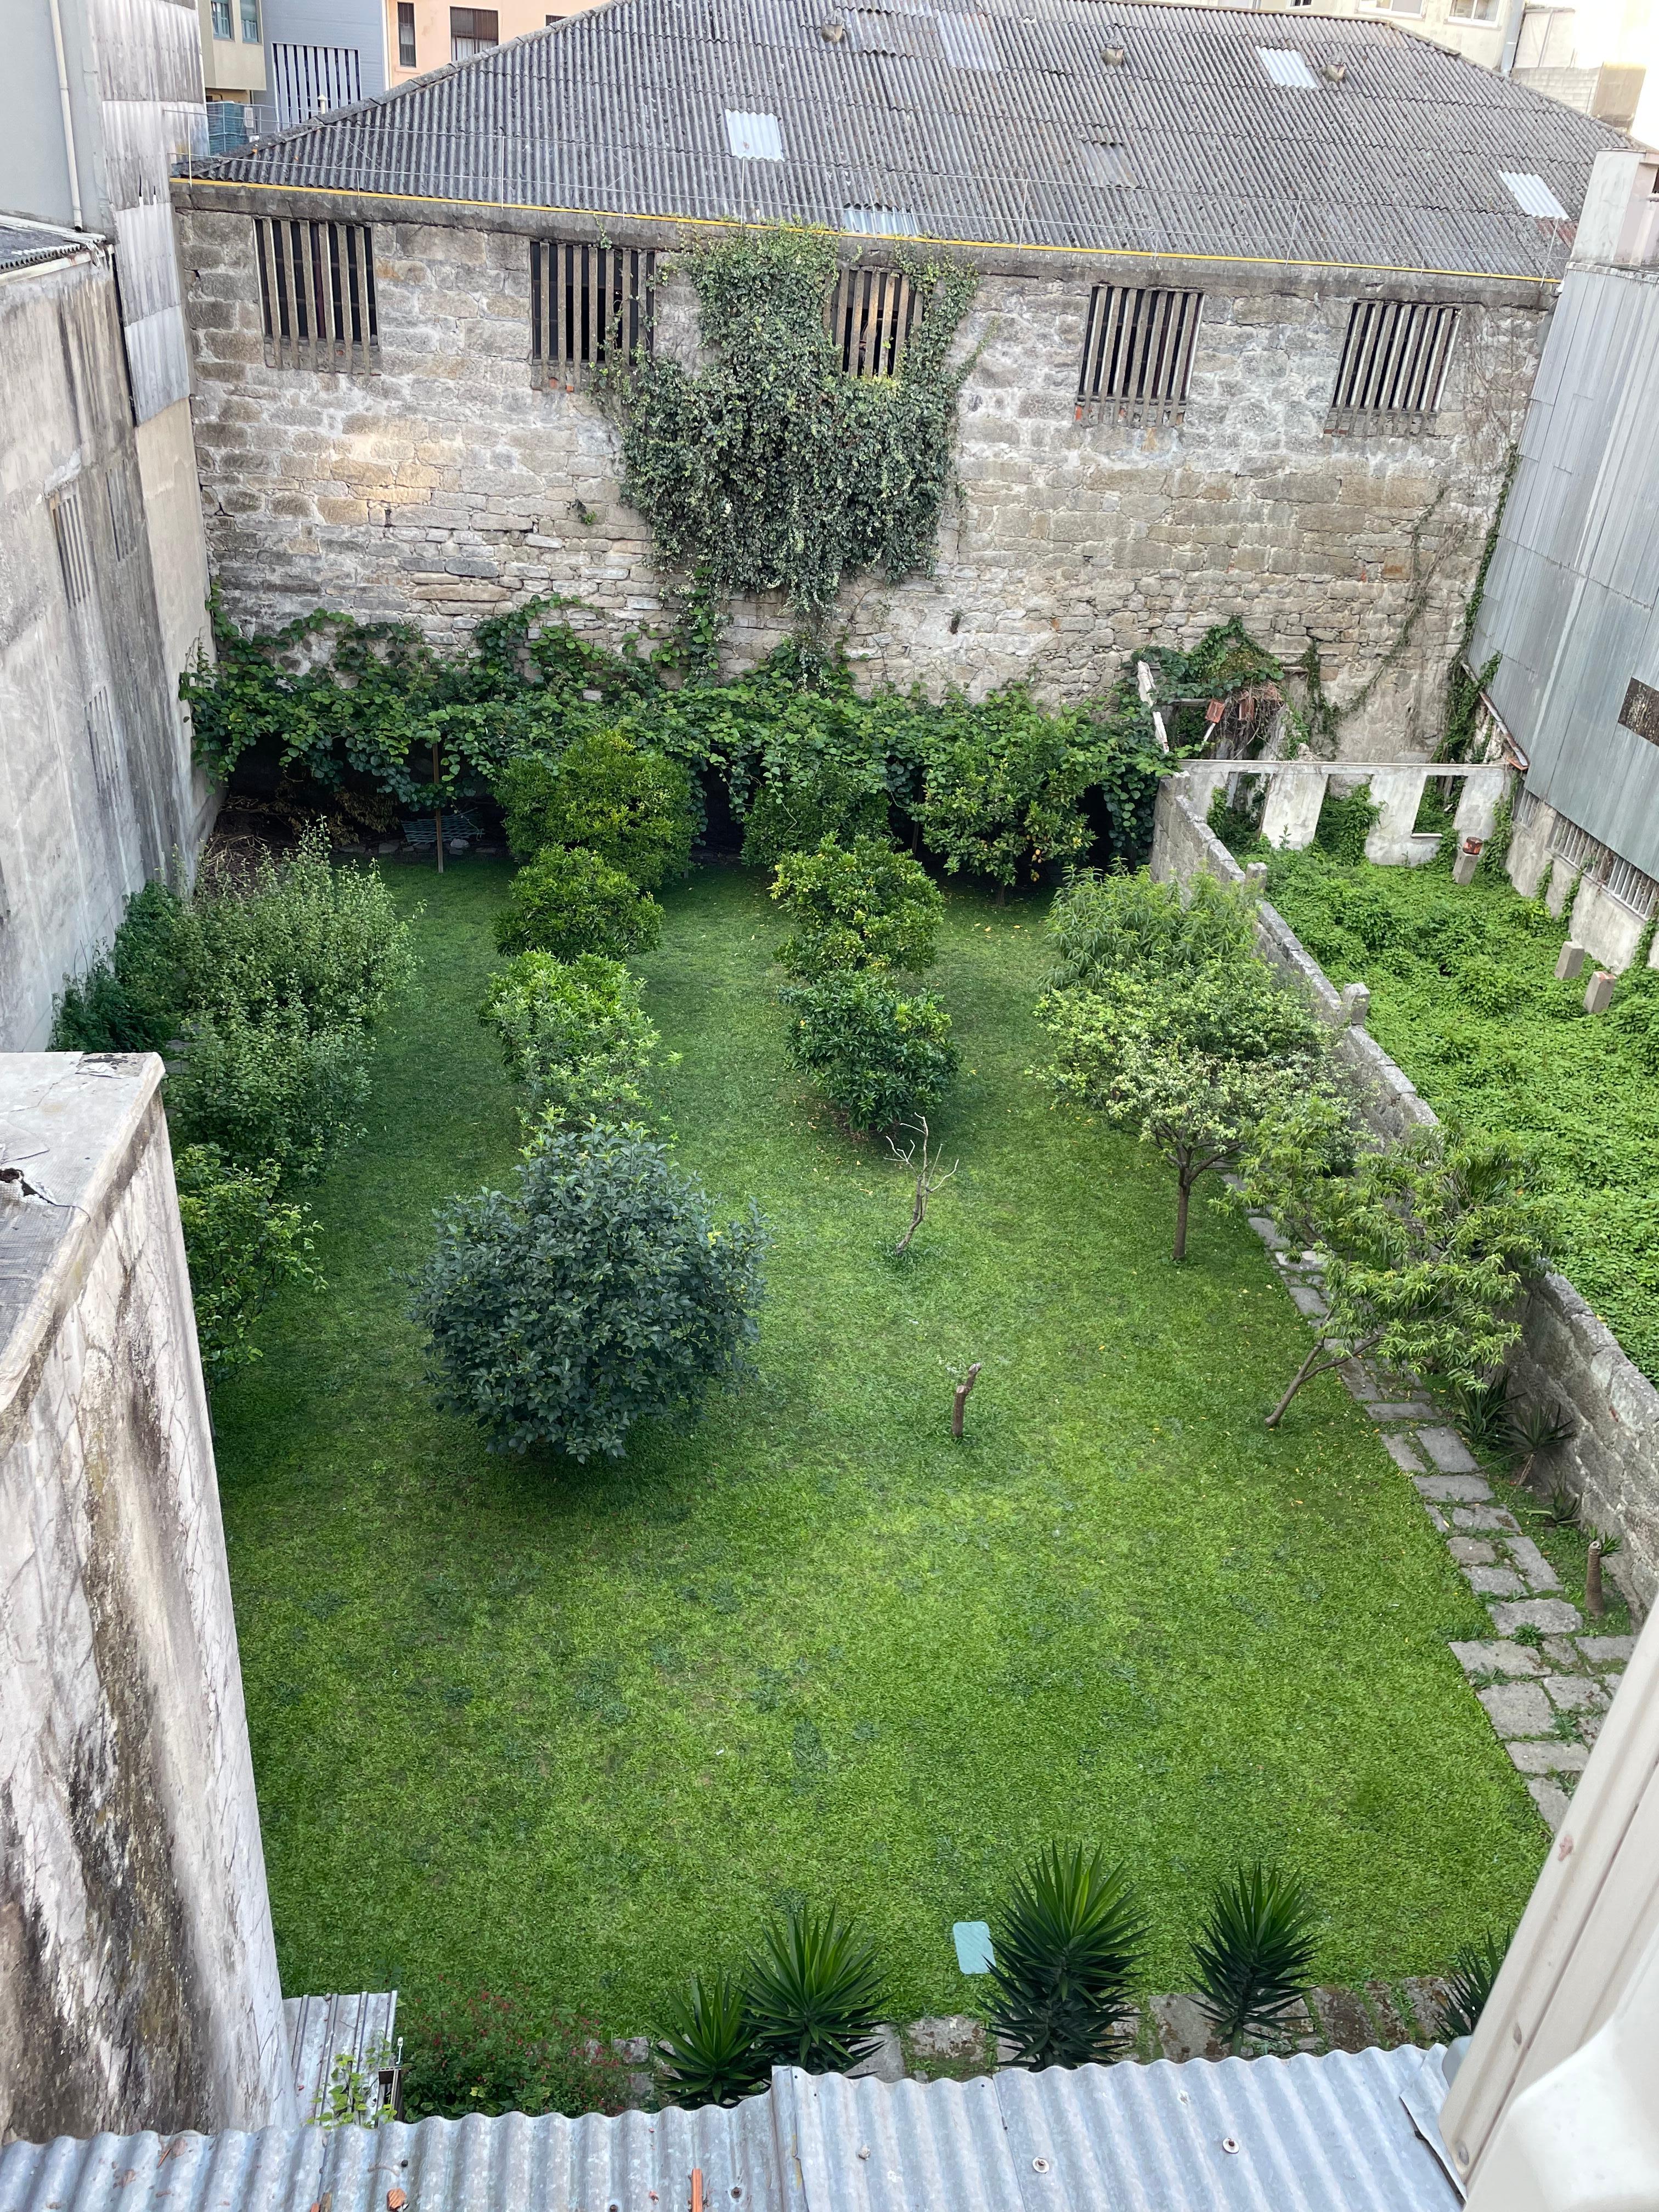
{"x":1393,"y":159}
{"x":1298,"y":2135}
{"x":22,"y":243}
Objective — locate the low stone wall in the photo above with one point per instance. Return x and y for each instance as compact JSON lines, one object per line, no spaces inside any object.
{"x":1612,"y":1464}
{"x":138,"y":1983}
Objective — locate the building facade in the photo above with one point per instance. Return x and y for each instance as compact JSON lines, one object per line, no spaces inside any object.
{"x":1311,"y":439}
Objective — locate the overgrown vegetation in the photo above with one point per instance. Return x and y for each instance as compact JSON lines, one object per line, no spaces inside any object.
{"x":1464,"y":997}
{"x":497,"y":2050}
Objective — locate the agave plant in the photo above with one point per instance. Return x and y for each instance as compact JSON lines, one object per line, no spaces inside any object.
{"x":1474,"y":1969}
{"x":1483,"y":1415}
{"x":1254,"y":1951}
{"x":1537,"y":1426}
{"x":1560,"y":1509}
{"x":1066,"y":1945}
{"x":708,"y":2042}
{"x":815,"y":1991}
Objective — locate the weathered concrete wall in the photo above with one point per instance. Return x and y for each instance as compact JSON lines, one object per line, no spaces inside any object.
{"x":1612,"y":1463}
{"x":138,"y":1983}
{"x":178,"y":549}
{"x":443,"y":487}
{"x":96,"y":790}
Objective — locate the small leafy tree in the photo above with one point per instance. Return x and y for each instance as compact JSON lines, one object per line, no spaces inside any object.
{"x":568,"y":902}
{"x":792,"y":813}
{"x":268,"y":1090}
{"x":605,"y":793}
{"x":1003,"y":785}
{"x":864,"y":905}
{"x":1067,"y":1942}
{"x":242,"y":1241}
{"x":880,"y":1056}
{"x":1430,"y":1243}
{"x":599,"y":1293}
{"x":575,"y":1036}
{"x":1197,"y":1063}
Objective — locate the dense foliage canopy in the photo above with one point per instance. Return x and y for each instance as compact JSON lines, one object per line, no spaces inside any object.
{"x":865,"y":905}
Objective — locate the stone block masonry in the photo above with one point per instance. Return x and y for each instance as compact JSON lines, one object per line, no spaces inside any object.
{"x":442,"y":486}
{"x":138,"y":1985}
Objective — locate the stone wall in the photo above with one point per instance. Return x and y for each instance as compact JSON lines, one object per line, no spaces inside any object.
{"x":442,"y":486}
{"x":96,"y":788}
{"x":1612,"y":1464}
{"x":138,"y":1985}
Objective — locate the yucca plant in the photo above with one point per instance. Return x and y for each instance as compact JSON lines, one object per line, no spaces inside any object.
{"x":1255,"y":1952}
{"x":1474,"y":1970}
{"x":708,"y":2042}
{"x":1560,"y":1509}
{"x":815,"y":1991}
{"x":1066,"y":1941}
{"x":1483,"y":1415}
{"x":1537,"y":1426}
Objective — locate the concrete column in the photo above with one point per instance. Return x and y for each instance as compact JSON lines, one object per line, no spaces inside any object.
{"x":1479,"y":801}
{"x":1399,"y":793}
{"x":1294,"y":799}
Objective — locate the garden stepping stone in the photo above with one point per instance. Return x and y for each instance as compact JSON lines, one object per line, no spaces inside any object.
{"x":1552,"y":1616}
{"x":1497,"y":1659}
{"x":1518,"y":1708}
{"x":1448,"y":1450}
{"x":1533,"y":1564}
{"x":1485,"y":1516}
{"x":1606,"y":1650}
{"x":1550,"y":1801}
{"x":1405,"y":1412}
{"x":1495,"y":1581}
{"x":1576,"y":1694}
{"x":1470,"y":1552}
{"x":1454,"y":1489}
{"x":1551,"y":1756}
{"x":1399,"y":1451}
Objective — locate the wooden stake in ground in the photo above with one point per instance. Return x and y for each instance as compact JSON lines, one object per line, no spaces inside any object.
{"x":1596,"y":1603}
{"x":928,"y":1175}
{"x":438,"y":809}
{"x":961,"y":1400}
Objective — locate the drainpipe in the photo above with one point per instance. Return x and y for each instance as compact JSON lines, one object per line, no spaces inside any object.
{"x":69,"y":120}
{"x":1511,"y":35}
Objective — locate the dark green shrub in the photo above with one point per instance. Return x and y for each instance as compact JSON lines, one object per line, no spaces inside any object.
{"x":139,"y":995}
{"x":575,"y":1036}
{"x":795,"y":813}
{"x":605,"y":793}
{"x":598,"y":1293}
{"x":708,"y":2041}
{"x":1345,"y":823}
{"x":269,"y":1089}
{"x":860,"y":906}
{"x":814,"y":1992}
{"x":879,"y":1056}
{"x":567,"y":902}
{"x":1067,"y":1943}
{"x":496,"y":2050}
{"x":1238,"y":827}
{"x":1102,"y":926}
{"x":1474,"y":1969}
{"x":1254,"y":1953}
{"x":1002,"y":785}
{"x":240,"y":1242}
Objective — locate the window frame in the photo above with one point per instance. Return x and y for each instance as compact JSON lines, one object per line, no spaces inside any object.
{"x":1400,"y":350}
{"x":588,"y":302}
{"x":407,"y":49}
{"x":316,"y":297}
{"x":1139,"y":341}
{"x":871,"y":315}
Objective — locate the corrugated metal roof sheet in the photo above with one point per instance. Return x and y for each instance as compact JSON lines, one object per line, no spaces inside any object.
{"x":621,"y":112}
{"x":1300,"y":2134}
{"x":23,"y":243}
{"x":321,"y":2029}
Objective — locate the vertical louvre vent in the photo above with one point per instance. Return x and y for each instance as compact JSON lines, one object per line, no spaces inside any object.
{"x":316,"y":294}
{"x":1394,"y":363}
{"x":104,"y":745}
{"x":74,"y":546}
{"x":1136,"y":355}
{"x":588,"y":304}
{"x":870,"y":315}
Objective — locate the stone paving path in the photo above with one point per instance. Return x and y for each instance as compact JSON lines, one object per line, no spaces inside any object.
{"x":1544,"y":1692}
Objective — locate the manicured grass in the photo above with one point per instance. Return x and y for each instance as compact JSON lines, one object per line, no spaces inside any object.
{"x":589,"y":1725}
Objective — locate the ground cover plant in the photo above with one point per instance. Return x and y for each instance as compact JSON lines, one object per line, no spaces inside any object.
{"x":1464,"y":997}
{"x":595,"y":1728}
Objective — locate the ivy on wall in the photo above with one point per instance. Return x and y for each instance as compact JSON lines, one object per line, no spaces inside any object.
{"x":771,"y":468}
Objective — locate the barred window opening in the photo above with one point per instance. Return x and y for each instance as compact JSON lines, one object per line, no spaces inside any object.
{"x":869,"y":315}
{"x":316,"y":294}
{"x":1393,"y":362}
{"x":74,"y":546}
{"x":1136,"y":355}
{"x":588,"y":304}
{"x":1598,"y":863}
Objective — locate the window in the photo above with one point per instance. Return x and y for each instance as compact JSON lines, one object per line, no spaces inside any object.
{"x":1288,"y":69}
{"x":473,"y":31}
{"x":753,"y":137}
{"x":74,"y":547}
{"x":250,"y":22}
{"x":1473,"y":11}
{"x":1136,"y":355}
{"x":104,"y":745}
{"x":406,"y":34}
{"x":310,"y":79}
{"x":1599,"y":864}
{"x":588,"y":304}
{"x":871,"y":315}
{"x":1532,"y":195}
{"x":223,"y":28}
{"x":123,"y":527}
{"x":316,"y":294}
{"x":1394,"y":363}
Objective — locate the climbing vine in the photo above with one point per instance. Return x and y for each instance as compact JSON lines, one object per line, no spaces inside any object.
{"x":1464,"y":686}
{"x":771,"y":468}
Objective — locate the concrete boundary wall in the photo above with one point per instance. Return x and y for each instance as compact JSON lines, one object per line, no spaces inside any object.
{"x":1612,"y":1464}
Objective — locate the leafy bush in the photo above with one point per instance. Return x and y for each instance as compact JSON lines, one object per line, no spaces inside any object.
{"x":1255,"y":1952}
{"x":1102,"y":926}
{"x":568,"y":902}
{"x":814,"y":1992}
{"x":240,"y":1242}
{"x":1067,"y":1943}
{"x":269,"y":1089}
{"x":708,"y":2040}
{"x":575,"y":1036}
{"x":496,"y":2050}
{"x":795,"y":813}
{"x":878,"y":1055}
{"x":599,"y":1293}
{"x":859,"y":906}
{"x":605,"y":793}
{"x":1003,"y":785}
{"x":1345,"y":823}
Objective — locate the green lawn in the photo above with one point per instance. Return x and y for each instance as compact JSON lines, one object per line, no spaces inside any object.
{"x":589,"y":1725}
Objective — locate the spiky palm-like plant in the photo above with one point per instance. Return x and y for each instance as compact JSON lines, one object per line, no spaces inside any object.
{"x":1484,"y":1414}
{"x":1067,"y":1942}
{"x":1474,"y":1970}
{"x":815,"y":1991}
{"x":708,"y":2041}
{"x":1254,"y":1951}
{"x":1537,"y":1426}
